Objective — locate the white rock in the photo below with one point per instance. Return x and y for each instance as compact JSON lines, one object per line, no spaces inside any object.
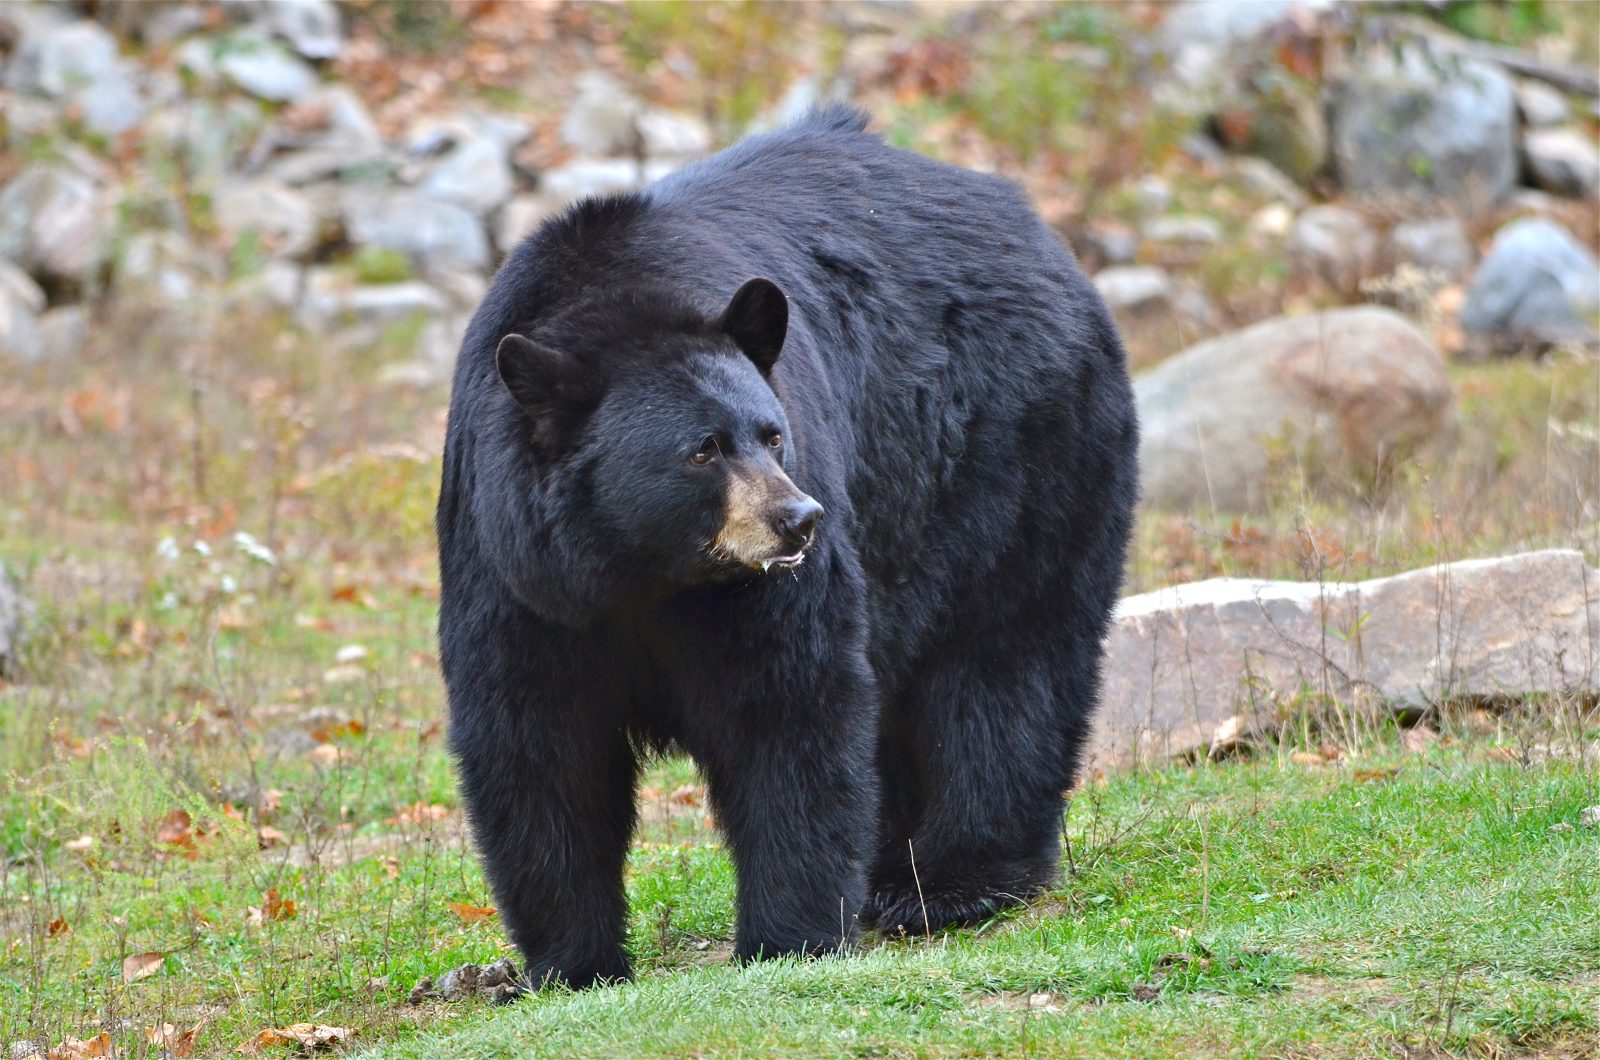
{"x":310,"y":26}
{"x":1563,"y":161}
{"x":79,"y":63}
{"x":1335,"y":244}
{"x":54,"y":223}
{"x":671,"y":134}
{"x":1540,"y":105}
{"x":603,"y":119}
{"x":1186,"y":663}
{"x":265,"y":69}
{"x":435,"y":235}
{"x":582,"y":178}
{"x":330,"y":299}
{"x":21,"y":302}
{"x":1134,"y":287}
{"x":475,"y":174}
{"x":280,"y":217}
{"x":1194,"y":229}
{"x":1347,"y":390}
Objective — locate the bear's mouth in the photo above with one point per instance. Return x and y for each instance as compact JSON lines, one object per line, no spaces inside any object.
{"x":788,"y":562}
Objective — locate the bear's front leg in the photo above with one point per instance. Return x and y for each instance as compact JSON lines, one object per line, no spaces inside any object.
{"x":548,"y":777}
{"x":785,"y":737}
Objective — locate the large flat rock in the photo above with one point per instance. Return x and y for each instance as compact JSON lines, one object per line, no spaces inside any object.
{"x":1195,"y":665}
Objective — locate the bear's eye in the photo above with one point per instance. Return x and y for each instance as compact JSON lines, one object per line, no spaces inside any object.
{"x":775,"y":440}
{"x":705,"y":454}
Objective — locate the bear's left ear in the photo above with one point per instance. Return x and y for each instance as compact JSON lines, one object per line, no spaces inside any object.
{"x":757,"y":320}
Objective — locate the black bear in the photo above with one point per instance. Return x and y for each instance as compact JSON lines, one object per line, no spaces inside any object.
{"x":815,"y":459}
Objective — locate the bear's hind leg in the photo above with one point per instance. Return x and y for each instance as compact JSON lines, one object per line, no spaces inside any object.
{"x":994,"y":735}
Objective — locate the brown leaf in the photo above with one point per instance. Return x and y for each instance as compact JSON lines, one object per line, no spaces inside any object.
{"x":268,"y":836}
{"x":174,"y":828}
{"x":172,"y":1041}
{"x":469,"y":914}
{"x":80,"y":1049}
{"x":419,"y":813}
{"x":1376,"y":776}
{"x":1418,"y":740}
{"x":141,"y":966}
{"x":276,"y":907}
{"x":687,"y":795}
{"x":309,"y":1036}
{"x":58,"y":926}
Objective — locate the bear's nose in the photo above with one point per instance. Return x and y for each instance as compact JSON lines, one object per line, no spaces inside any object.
{"x":799,"y":521}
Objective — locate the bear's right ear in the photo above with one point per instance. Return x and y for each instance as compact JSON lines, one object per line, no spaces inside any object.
{"x":533,"y":374}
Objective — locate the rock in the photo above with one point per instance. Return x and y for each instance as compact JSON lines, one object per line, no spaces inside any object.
{"x":475,"y":174}
{"x":280,"y":217}
{"x":1266,"y":179}
{"x":1274,"y":220}
{"x":1562,"y":161}
{"x":672,"y":134}
{"x":520,"y":216}
{"x":1135,"y":287}
{"x":265,"y":69}
{"x":63,"y":333}
{"x":585,"y":177}
{"x":1425,"y":127}
{"x":601,"y":120}
{"x":333,"y":136}
{"x":435,"y":235}
{"x":498,"y":982}
{"x":54,"y":223}
{"x":1536,"y":285}
{"x":1201,"y":37}
{"x":1335,"y":244}
{"x":14,"y":612}
{"x":1112,"y":242}
{"x":1352,"y":387}
{"x":1200,"y":230}
{"x":1191,"y":663}
{"x":274,"y":288}
{"x":1155,"y":316}
{"x":207,"y":137}
{"x":1436,"y":243}
{"x":21,"y":302}
{"x":330,"y":299}
{"x":310,"y":26}
{"x":79,"y":64}
{"x":1540,"y":105}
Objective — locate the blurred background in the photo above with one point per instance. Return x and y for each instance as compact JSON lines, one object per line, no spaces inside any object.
{"x":1352,"y":249}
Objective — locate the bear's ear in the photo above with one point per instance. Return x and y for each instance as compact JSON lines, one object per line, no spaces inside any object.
{"x":757,"y":320}
{"x":533,"y":374}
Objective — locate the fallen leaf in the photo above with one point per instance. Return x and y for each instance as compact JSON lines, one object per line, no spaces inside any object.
{"x":687,"y":795}
{"x":419,"y":813}
{"x":1376,"y":776}
{"x":173,"y":829}
{"x":268,"y":836}
{"x":469,"y":914}
{"x":309,"y":1036}
{"x":1307,"y":758}
{"x":80,"y":1049}
{"x":80,"y":844}
{"x":275,"y":907}
{"x":141,"y":966}
{"x":390,"y":866}
{"x":1590,"y":817}
{"x":1417,"y":740}
{"x":58,"y":926}
{"x":325,"y":754}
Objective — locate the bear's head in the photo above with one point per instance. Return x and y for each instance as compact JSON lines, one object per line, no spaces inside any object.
{"x":669,"y":419}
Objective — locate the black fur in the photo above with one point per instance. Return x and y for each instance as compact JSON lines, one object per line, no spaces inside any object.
{"x":907,"y":707}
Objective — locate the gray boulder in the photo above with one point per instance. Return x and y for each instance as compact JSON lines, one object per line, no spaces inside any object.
{"x":1347,"y":390}
{"x":265,"y":69}
{"x":435,"y":235}
{"x":1436,"y":243}
{"x":21,"y":302}
{"x":1536,"y":285}
{"x":475,"y":174}
{"x":1335,"y":244}
{"x":1562,"y":161}
{"x":1193,"y":668}
{"x":281,"y":218}
{"x":310,"y":26}
{"x":78,"y":64}
{"x":331,"y":299}
{"x":1540,"y":105}
{"x":54,"y":223}
{"x":520,"y":216}
{"x":582,"y":178}
{"x":1425,"y":127}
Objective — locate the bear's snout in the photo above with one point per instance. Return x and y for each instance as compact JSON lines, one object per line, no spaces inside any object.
{"x":797,"y":522}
